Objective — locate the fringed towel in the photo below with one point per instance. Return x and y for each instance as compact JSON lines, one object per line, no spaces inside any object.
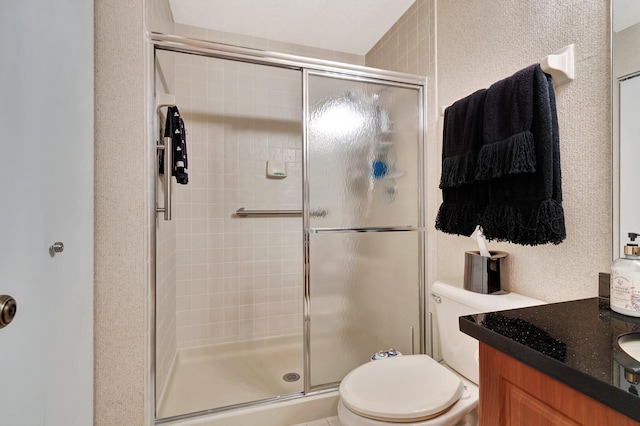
{"x":516,"y":192}
{"x":508,"y":140}
{"x":174,"y":129}
{"x":462,"y":140}
{"x":526,"y":208}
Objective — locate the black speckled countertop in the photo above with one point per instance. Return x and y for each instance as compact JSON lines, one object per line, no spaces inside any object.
{"x":572,"y":342}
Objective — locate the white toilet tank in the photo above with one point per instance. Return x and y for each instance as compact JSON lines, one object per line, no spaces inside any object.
{"x":459,"y":350}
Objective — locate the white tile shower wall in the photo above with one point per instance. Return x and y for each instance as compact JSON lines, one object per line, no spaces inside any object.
{"x":165,"y":262}
{"x":238,"y":278}
{"x":165,"y":302}
{"x":159,"y":18}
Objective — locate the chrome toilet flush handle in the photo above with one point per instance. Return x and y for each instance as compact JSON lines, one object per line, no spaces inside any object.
{"x":437,"y":298}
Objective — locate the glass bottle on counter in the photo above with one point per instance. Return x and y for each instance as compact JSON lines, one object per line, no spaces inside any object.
{"x":625,"y":280}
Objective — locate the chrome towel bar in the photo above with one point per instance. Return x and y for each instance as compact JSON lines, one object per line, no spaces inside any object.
{"x":166,"y":100}
{"x":242,"y":212}
{"x":168,"y":161}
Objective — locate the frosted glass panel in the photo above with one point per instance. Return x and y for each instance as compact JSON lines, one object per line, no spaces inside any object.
{"x":364,"y":291}
{"x":363,"y":141}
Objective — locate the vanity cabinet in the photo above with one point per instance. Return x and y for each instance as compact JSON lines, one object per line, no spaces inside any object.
{"x":512,"y":393}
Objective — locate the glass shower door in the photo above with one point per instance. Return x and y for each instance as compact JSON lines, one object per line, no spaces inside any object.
{"x":362,"y":222}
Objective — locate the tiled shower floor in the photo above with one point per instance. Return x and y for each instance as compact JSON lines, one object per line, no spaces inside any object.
{"x":221,"y":375}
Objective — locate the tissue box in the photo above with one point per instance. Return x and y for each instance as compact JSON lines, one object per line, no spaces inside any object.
{"x":486,"y":274}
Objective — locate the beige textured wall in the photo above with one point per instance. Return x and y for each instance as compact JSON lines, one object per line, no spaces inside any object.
{"x":479,"y":43}
{"x":482,"y":42}
{"x":120,"y":219}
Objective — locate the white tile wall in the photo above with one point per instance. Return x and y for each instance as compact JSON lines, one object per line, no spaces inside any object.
{"x":238,"y":278}
{"x":159,"y":18}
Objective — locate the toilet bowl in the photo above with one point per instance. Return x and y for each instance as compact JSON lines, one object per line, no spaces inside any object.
{"x":416,"y":390}
{"x":408,"y":390}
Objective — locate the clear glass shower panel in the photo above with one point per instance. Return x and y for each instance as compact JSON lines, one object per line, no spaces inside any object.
{"x":229,"y":292}
{"x":365,"y":296}
{"x":363,"y":150}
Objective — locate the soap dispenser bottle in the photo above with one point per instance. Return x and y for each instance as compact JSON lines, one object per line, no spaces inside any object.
{"x":625,"y":280}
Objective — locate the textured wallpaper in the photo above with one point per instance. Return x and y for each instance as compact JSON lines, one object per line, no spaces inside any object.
{"x":479,"y":43}
{"x":121,"y":257}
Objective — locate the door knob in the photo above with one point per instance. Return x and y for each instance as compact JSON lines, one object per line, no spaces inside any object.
{"x":8,"y":307}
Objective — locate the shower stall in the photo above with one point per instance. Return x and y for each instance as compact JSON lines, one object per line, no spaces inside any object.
{"x":296,"y":249}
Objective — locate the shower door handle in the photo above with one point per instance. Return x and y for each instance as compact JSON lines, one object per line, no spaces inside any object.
{"x":168,"y":170}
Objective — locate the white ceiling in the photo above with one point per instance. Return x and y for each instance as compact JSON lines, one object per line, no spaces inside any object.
{"x":352,"y":26}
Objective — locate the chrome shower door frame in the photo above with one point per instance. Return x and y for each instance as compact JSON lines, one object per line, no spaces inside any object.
{"x":380,"y":79}
{"x":307,"y":66}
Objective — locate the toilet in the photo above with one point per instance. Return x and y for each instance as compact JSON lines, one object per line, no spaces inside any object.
{"x":416,"y":390}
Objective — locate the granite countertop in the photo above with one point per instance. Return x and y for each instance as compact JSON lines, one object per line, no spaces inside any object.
{"x":571,"y":342}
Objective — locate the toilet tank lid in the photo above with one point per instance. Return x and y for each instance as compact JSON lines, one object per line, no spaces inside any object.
{"x":483,"y":302}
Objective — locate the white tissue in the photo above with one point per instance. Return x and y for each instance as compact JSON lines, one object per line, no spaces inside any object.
{"x":482,"y":245}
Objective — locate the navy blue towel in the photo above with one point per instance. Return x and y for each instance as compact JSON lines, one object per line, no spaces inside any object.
{"x":174,"y":129}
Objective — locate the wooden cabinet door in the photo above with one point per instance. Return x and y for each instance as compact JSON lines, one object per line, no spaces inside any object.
{"x":513,"y":394}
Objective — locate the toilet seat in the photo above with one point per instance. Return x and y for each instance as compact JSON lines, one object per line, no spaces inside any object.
{"x":400,"y":389}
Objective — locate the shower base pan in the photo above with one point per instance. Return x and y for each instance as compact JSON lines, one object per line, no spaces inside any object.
{"x":222,"y":375}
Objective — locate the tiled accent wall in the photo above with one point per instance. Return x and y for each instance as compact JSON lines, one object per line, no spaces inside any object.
{"x":238,"y":278}
{"x":409,"y":46}
{"x":406,"y":47}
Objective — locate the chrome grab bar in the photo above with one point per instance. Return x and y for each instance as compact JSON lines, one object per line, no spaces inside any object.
{"x":242,"y":212}
{"x":370,"y":229}
{"x":168,"y":162}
